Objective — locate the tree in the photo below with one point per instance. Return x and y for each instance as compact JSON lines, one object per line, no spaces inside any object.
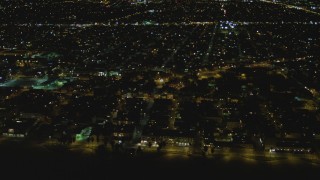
{"x":205,"y":148}
{"x":139,"y":150}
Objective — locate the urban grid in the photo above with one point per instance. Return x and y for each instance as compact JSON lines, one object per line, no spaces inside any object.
{"x":208,"y":83}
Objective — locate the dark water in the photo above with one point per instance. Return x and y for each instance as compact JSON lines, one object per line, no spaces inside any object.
{"x":23,"y":161}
